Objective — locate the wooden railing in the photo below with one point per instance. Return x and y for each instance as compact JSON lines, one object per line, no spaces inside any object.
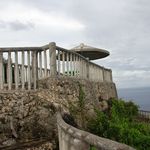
{"x":20,"y":68}
{"x":144,"y":114}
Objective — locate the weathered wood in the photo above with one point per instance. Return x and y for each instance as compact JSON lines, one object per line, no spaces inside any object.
{"x":1,"y":71}
{"x":29,"y":71}
{"x":22,"y":72}
{"x":9,"y":73}
{"x":52,"y":47}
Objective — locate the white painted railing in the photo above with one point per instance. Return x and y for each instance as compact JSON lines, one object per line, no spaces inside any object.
{"x":20,"y":68}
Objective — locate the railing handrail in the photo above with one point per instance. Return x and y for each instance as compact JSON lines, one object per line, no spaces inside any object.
{"x":41,"y":48}
{"x":89,"y":138}
{"x":48,"y":60}
{"x":86,"y":59}
{"x":13,"y":49}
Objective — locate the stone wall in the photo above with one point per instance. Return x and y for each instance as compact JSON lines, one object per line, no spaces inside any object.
{"x":65,"y":92}
{"x":26,"y":115}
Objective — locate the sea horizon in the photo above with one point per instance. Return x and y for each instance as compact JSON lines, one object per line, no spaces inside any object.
{"x":139,"y":95}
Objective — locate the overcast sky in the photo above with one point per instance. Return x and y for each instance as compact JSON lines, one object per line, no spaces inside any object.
{"x":120,"y":26}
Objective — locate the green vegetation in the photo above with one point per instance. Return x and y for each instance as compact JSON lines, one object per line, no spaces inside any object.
{"x":92,"y":148}
{"x":120,"y":123}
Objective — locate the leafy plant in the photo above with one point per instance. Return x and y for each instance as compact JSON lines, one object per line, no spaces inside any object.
{"x":119,"y":124}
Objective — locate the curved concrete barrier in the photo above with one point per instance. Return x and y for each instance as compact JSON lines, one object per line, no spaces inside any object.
{"x":71,"y":138}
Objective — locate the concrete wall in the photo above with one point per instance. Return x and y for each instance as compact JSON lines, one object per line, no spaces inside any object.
{"x":71,"y":138}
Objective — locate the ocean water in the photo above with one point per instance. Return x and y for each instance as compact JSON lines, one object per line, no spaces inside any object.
{"x":140,"y":96}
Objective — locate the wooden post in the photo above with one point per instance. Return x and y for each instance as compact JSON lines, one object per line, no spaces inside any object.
{"x":52,"y":47}
{"x":1,"y":70}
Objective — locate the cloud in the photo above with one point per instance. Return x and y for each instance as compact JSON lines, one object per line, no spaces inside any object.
{"x":120,"y":26}
{"x":16,"y":25}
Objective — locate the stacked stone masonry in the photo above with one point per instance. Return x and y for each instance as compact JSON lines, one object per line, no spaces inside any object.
{"x":26,"y":115}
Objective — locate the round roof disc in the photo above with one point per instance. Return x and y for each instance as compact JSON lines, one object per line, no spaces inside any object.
{"x":90,"y":52}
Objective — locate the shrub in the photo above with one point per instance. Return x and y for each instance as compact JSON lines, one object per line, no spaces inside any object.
{"x":119,"y":124}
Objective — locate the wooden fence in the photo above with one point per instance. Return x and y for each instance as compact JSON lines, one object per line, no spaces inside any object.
{"x":21,"y":67}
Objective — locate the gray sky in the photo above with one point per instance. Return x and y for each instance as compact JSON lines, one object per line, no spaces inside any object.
{"x":120,"y":26}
